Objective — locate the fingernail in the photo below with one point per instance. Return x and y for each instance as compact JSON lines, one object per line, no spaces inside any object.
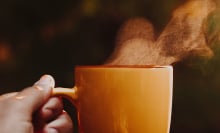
{"x":46,"y":82}
{"x":52,"y":130}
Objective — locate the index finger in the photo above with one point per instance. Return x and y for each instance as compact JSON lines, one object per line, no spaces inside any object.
{"x":32,"y":98}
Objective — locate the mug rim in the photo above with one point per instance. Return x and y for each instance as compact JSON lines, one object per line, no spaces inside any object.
{"x":123,"y":66}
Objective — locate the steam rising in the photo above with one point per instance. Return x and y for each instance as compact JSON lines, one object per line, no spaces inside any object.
{"x":184,"y":35}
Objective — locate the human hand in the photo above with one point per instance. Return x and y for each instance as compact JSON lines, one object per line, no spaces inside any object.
{"x":34,"y":111}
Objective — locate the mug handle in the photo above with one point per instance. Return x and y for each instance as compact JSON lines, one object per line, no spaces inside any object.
{"x":68,"y":93}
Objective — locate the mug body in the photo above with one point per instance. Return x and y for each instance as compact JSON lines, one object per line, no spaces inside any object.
{"x":124,"y":99}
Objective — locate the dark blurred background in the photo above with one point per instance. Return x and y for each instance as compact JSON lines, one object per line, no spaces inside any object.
{"x":51,"y":37}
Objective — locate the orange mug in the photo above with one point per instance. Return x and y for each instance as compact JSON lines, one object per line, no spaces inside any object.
{"x":122,"y":99}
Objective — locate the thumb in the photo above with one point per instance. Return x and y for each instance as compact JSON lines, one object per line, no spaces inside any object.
{"x":32,"y":98}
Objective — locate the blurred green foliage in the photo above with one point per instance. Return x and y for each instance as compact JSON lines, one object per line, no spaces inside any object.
{"x":51,"y":36}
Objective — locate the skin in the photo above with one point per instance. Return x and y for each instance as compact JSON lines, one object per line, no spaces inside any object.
{"x":33,"y":110}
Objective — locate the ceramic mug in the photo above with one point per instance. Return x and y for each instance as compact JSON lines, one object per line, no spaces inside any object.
{"x":122,"y":99}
